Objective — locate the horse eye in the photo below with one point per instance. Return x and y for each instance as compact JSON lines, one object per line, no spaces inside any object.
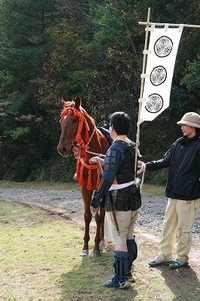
{"x":74,"y":120}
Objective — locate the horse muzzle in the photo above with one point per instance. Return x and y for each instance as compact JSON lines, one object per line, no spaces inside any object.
{"x":63,"y":151}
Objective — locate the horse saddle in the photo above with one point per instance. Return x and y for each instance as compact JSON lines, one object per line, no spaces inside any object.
{"x":103,"y":126}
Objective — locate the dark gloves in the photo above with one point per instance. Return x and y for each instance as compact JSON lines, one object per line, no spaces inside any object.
{"x":95,"y":203}
{"x":101,"y":192}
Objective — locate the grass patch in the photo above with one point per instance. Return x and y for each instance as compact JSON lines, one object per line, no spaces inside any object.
{"x":36,"y":250}
{"x":74,"y":186}
{"x":149,"y":189}
{"x":153,"y":190}
{"x":40,"y":261}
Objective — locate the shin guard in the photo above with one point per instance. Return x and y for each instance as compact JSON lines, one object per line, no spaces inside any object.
{"x":132,"y":252}
{"x":121,"y":268}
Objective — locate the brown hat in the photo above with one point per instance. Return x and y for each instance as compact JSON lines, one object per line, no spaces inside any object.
{"x":191,"y":119}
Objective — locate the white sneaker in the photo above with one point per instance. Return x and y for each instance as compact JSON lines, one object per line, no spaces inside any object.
{"x":158,"y":261}
{"x":177,"y":263}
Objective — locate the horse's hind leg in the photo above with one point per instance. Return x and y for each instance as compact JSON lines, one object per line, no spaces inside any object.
{"x":102,"y":224}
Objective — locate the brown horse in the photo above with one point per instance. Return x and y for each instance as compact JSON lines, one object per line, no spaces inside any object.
{"x":80,"y":135}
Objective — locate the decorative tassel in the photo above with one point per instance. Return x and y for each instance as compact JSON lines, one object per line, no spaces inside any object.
{"x":78,"y":166}
{"x":81,"y":176}
{"x":89,"y":181}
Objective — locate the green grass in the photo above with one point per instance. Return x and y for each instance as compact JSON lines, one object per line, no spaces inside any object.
{"x":149,"y":189}
{"x":41,"y":185}
{"x":153,"y":190}
{"x":36,"y":249}
{"x":39,"y":261}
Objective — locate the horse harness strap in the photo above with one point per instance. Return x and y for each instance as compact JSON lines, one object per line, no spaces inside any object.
{"x":82,"y":123}
{"x":77,"y":148}
{"x":91,"y":137}
{"x":81,"y":148}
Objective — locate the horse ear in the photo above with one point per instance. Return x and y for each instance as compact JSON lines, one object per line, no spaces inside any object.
{"x":63,"y":102}
{"x":78,"y":101}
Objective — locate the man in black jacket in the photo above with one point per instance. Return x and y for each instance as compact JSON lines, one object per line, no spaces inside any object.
{"x":183,"y":191}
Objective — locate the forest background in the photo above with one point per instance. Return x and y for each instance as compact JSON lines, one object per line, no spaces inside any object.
{"x":54,"y":49}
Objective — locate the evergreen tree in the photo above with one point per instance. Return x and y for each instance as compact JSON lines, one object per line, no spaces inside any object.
{"x":54,"y":49}
{"x":25,"y":45}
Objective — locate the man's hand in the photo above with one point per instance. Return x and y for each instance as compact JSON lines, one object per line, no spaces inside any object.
{"x":97,"y":159}
{"x":140,"y":164}
{"x":95,"y":203}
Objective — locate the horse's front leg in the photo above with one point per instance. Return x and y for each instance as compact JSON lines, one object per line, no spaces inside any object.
{"x":86,"y":194}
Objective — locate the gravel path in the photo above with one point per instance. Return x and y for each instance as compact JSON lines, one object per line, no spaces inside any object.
{"x":150,"y":216}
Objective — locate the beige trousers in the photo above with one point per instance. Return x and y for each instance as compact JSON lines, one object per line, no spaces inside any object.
{"x":178,"y":223}
{"x":126,"y":221}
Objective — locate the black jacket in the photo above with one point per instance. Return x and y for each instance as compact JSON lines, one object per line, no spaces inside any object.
{"x":183,"y":160}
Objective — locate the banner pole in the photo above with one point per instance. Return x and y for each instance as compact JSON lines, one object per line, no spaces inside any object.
{"x":141,"y":90}
{"x":168,"y":24}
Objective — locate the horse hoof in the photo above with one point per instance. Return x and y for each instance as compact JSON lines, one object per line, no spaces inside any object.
{"x":95,"y":253}
{"x":84,"y":253}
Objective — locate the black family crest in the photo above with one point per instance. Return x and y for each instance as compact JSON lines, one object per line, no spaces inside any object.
{"x":154,"y":103}
{"x":158,"y":75}
{"x":163,"y":46}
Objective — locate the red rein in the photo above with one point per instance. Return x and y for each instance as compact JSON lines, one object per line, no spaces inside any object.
{"x":81,"y":165}
{"x":82,"y":123}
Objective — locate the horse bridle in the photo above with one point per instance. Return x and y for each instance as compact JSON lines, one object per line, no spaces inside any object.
{"x":78,"y":144}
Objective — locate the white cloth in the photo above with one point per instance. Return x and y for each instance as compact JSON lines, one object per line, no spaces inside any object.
{"x":124,"y":185}
{"x":163,"y":47}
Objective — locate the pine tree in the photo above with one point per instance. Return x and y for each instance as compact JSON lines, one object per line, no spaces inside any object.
{"x":25,"y":46}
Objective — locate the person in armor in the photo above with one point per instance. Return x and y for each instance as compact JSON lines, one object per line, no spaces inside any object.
{"x":122,"y":199}
{"x":183,"y":192}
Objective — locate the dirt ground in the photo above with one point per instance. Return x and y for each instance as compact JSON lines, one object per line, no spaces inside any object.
{"x":145,"y":238}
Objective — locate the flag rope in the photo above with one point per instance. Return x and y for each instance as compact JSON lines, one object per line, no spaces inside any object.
{"x":168,"y":24}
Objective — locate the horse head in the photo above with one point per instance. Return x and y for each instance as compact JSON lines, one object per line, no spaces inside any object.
{"x":72,"y":123}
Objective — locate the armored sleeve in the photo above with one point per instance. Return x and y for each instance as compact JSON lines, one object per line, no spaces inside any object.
{"x":112,"y":162}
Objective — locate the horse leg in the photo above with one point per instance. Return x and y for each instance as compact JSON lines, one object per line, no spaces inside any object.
{"x":86,"y":237}
{"x":102,"y":224}
{"x":86,"y":194}
{"x":99,"y":218}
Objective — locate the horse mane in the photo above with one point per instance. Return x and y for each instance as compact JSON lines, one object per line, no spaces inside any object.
{"x":87,"y":116}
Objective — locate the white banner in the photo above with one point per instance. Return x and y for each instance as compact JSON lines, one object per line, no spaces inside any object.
{"x":161,"y":57}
